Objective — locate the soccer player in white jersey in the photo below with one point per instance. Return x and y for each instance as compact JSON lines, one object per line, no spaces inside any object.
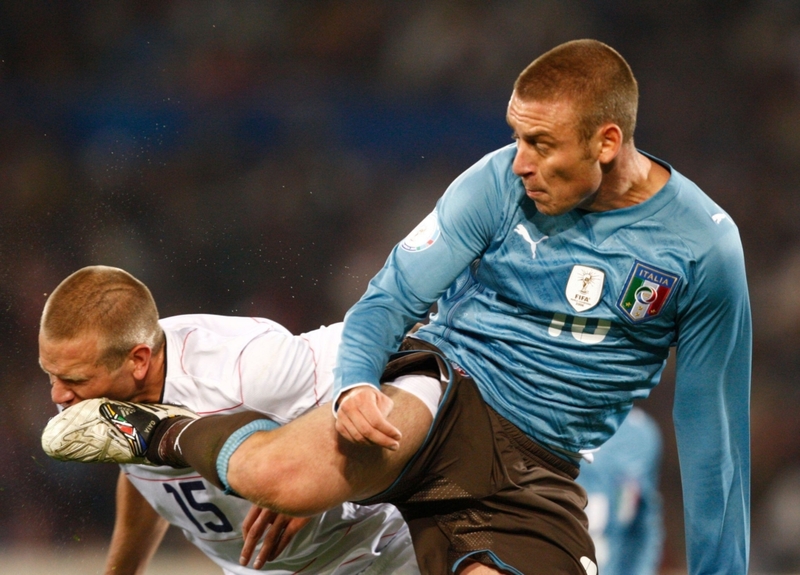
{"x":100,"y":337}
{"x":564,"y":267}
{"x":625,"y":511}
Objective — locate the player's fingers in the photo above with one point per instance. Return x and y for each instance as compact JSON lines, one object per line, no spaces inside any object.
{"x":363,"y":422}
{"x":350,"y":426}
{"x":263,"y":555}
{"x":383,"y":434}
{"x":271,"y":539}
{"x":251,"y":517}
{"x":248,"y":547}
{"x":343,"y":427}
{"x":372,"y":419}
{"x":380,"y":419}
{"x":259,"y":526}
{"x":278,"y":537}
{"x":292,"y":528}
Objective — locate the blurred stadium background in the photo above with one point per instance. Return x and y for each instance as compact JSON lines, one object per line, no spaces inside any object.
{"x":261,"y":157}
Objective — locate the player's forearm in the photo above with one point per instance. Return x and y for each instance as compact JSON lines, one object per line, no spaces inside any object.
{"x":715,"y":472}
{"x":126,"y":557}
{"x":138,"y":531}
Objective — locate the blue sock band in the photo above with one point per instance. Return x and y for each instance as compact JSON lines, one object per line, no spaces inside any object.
{"x":232,"y":444}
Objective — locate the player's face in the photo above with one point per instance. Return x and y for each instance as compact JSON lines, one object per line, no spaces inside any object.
{"x":556,"y":166}
{"x":76,"y":375}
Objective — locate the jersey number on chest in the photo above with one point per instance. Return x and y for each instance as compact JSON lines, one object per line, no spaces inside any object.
{"x":185,"y":496}
{"x":578,"y":328}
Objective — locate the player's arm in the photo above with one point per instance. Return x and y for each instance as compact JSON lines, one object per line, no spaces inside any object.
{"x":418,"y":271}
{"x":138,"y":531}
{"x":711,"y":412}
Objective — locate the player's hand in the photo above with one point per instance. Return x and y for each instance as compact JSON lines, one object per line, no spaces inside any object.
{"x":362,"y":418}
{"x":279,"y":529}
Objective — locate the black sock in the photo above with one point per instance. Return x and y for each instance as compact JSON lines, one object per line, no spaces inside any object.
{"x":161,"y":446}
{"x":200,"y":441}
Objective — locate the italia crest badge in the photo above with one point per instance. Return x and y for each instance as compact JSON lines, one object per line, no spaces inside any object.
{"x":647,"y":291}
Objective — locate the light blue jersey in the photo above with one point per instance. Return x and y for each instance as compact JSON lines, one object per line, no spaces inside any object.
{"x":624,"y":510}
{"x":563,"y":321}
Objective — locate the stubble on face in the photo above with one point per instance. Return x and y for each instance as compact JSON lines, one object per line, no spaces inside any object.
{"x":553,"y":161}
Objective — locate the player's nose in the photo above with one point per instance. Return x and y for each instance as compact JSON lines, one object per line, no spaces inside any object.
{"x":60,"y":394}
{"x":522,"y":165}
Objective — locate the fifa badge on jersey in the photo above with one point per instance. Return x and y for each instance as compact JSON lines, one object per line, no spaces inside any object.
{"x":646,"y":292}
{"x":584,"y":287}
{"x":424,"y":235}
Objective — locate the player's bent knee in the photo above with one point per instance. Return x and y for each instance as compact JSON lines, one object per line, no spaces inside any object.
{"x":249,"y":473}
{"x":276,"y":486}
{"x":295,"y":469}
{"x":304,"y":467}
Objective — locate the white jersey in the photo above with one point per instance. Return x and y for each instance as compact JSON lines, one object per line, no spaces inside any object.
{"x":220,"y":365}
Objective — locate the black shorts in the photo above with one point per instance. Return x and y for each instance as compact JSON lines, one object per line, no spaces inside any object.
{"x":480,"y":488}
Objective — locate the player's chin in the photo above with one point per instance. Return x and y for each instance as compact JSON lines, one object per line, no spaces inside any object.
{"x":544,"y":206}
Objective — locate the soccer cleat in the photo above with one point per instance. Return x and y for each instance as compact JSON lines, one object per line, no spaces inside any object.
{"x":106,"y":431}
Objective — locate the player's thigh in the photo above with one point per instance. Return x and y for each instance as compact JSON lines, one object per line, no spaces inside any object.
{"x":305,"y":467}
{"x":369,"y":470}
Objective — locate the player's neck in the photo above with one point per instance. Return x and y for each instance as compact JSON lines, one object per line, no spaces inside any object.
{"x":632,"y":179}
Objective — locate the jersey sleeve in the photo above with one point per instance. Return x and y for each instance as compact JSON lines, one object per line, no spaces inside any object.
{"x":711,"y":411}
{"x":418,"y":271}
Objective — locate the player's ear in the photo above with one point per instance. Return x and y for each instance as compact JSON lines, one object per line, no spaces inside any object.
{"x":140,"y":357}
{"x":609,"y":141}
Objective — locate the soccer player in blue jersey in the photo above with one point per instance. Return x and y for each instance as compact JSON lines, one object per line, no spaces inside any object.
{"x":564,"y":267}
{"x":625,"y":510}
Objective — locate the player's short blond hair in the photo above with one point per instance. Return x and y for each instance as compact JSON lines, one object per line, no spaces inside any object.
{"x":109,"y":302}
{"x":594,"y":77}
